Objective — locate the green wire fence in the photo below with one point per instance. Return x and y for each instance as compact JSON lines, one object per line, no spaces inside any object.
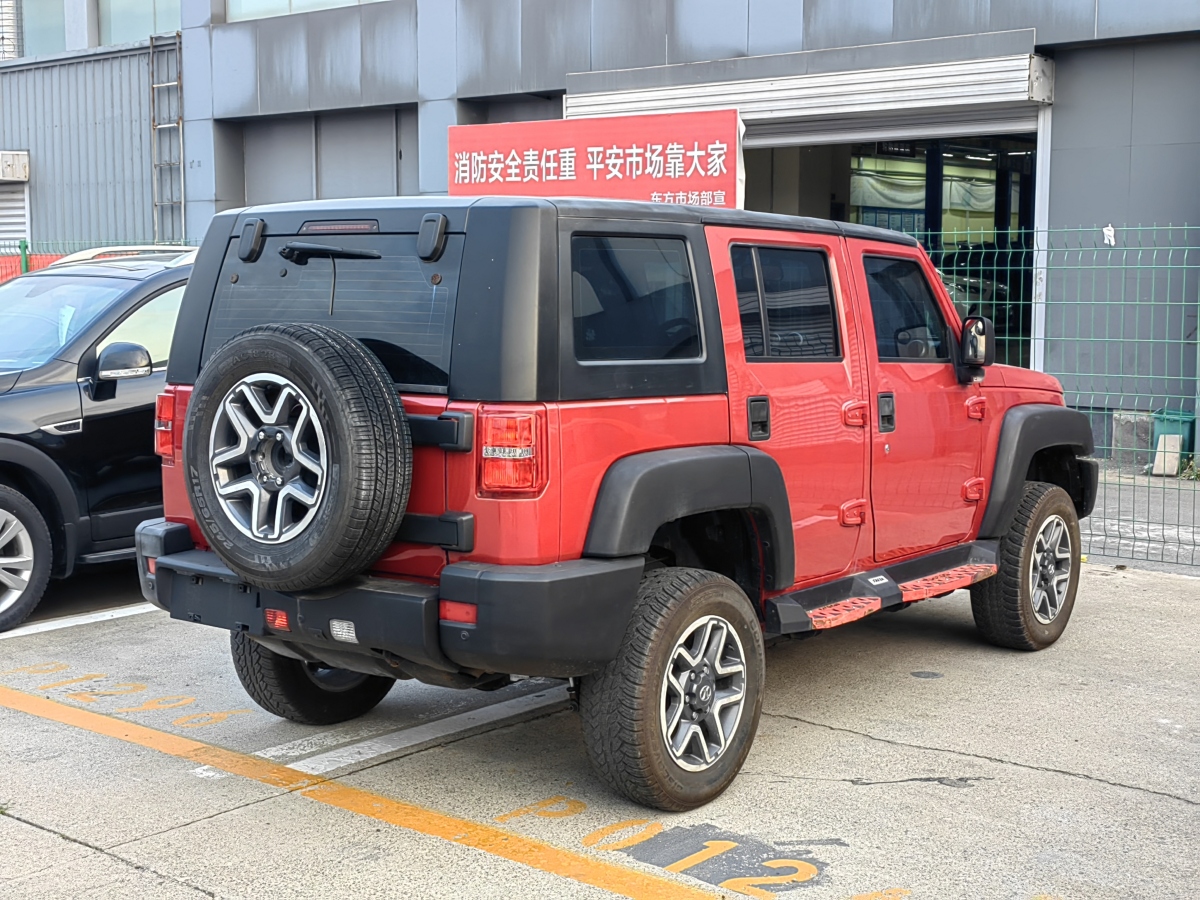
{"x":1111,"y":312}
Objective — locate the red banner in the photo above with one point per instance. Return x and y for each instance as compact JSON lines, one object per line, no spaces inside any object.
{"x":689,"y":158}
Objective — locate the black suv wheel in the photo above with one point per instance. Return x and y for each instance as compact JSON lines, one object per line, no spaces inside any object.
{"x":25,"y":556}
{"x":298,"y":455}
{"x":304,"y":692}
{"x":669,"y":722}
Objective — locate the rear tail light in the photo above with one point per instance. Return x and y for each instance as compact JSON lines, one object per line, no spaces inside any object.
{"x":277,"y":619}
{"x":459,"y":613}
{"x":512,"y":456}
{"x":164,"y":426}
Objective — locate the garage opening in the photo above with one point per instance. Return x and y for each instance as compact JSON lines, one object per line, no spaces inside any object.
{"x":969,"y":200}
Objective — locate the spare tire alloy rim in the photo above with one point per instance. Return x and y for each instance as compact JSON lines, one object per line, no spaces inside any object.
{"x":16,"y":559}
{"x":703,"y":691}
{"x":1050,"y":569}
{"x":268,"y":458}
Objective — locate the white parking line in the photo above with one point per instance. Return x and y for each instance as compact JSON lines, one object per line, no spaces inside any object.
{"x":103,"y":615}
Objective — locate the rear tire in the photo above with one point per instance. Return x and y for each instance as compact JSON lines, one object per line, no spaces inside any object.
{"x":26,"y":553}
{"x":303,"y":692}
{"x":653,"y":693}
{"x":1027,"y":604}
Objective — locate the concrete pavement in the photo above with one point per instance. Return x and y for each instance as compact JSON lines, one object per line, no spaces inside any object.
{"x":897,"y":757}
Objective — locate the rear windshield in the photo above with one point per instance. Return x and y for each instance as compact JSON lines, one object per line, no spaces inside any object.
{"x":392,"y":304}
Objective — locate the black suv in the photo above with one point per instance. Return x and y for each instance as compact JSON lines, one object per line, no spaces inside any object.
{"x":83,"y":352}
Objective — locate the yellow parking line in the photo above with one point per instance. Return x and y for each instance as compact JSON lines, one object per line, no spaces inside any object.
{"x":496,"y":841}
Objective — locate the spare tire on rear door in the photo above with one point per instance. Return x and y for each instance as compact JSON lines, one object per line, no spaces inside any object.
{"x":299,"y":456}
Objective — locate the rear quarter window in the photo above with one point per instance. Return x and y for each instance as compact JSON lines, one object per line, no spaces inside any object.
{"x":392,"y":304}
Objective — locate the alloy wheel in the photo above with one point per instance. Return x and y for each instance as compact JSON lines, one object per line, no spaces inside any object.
{"x":703,"y":692}
{"x":268,"y":458}
{"x":16,"y":559}
{"x":1050,"y":569}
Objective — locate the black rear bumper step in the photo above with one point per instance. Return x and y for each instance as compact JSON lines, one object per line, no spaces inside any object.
{"x":856,"y":596}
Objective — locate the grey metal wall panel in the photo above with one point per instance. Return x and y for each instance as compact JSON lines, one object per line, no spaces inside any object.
{"x":283,"y":65}
{"x":279,"y":160}
{"x":775,"y":26}
{"x":437,"y":70}
{"x":844,"y":23}
{"x":389,"y":52}
{"x":1093,"y":98}
{"x":1164,"y":184}
{"x":628,"y":33}
{"x":707,"y":29}
{"x":197,"y":73}
{"x":334,"y":59}
{"x":914,"y":19}
{"x":555,"y":40}
{"x":356,"y":155}
{"x":86,"y":125}
{"x":1089,"y":186}
{"x":1166,"y":101}
{"x":489,"y":47}
{"x":234,"y":71}
{"x":408,"y":148}
{"x":1056,"y":22}
{"x":1122,"y":18}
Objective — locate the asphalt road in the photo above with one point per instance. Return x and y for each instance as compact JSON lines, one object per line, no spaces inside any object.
{"x":898,"y":757}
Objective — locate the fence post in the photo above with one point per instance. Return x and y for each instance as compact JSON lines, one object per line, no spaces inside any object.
{"x":24,"y":245}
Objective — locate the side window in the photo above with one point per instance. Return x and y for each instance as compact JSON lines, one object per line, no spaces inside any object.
{"x":796,"y":301}
{"x":633,"y":299}
{"x":749,"y":308}
{"x":908,"y":323}
{"x":151,"y":325}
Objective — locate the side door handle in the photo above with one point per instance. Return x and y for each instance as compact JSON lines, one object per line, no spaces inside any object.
{"x":758,"y":417}
{"x":976,"y":407}
{"x":854,"y":413}
{"x":887,"y":412}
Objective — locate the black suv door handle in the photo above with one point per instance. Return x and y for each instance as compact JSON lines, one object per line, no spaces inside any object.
{"x":887,"y":412}
{"x":758,"y":411}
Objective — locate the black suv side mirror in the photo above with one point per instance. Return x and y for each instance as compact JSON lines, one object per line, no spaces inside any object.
{"x":121,"y":360}
{"x":978,"y":342}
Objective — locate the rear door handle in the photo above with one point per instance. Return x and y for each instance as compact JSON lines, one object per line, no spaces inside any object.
{"x":887,"y":412}
{"x":758,"y":416}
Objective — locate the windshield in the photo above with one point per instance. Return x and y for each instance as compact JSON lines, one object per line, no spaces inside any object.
{"x":41,"y":315}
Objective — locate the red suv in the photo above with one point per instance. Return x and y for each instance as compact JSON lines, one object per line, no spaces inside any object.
{"x":460,"y":440}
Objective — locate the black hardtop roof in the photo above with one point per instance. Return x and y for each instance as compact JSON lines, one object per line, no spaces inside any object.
{"x":403,"y":214}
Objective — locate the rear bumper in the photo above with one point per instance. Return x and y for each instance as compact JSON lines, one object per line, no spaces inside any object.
{"x":556,"y":620}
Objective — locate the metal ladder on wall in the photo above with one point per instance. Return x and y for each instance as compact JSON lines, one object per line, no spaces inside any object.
{"x":166,"y":135}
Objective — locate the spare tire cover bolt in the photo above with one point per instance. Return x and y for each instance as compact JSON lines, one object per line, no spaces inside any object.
{"x":278,"y":480}
{"x":262,"y":435}
{"x":279,"y":435}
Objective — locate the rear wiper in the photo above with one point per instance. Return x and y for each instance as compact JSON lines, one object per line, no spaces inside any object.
{"x":299,"y":252}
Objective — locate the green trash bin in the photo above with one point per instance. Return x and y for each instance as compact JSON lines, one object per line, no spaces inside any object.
{"x":1173,"y":421}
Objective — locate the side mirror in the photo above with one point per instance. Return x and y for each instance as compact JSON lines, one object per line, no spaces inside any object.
{"x":978,"y":342}
{"x":121,"y":360}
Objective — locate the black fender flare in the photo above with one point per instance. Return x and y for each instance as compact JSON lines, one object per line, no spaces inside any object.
{"x":45,"y":470}
{"x":641,"y":492}
{"x":1026,"y":430}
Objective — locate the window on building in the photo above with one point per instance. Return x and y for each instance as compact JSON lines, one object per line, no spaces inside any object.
{"x":633,"y":299}
{"x":908,"y":324}
{"x":795,"y":298}
{"x":151,"y":326}
{"x":125,"y":21}
{"x":239,"y":10}
{"x":42,"y":25}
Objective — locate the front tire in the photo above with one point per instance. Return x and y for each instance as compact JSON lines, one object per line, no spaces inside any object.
{"x":304,"y":692}
{"x":1027,"y":604}
{"x":26,"y":552}
{"x":669,"y":722}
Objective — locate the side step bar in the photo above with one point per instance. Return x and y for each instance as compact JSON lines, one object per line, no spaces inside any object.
{"x":855,"y":597}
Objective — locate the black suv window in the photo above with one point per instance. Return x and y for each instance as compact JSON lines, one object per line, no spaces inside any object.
{"x":908,"y":324}
{"x":795,"y":299}
{"x":633,"y":299}
{"x":392,"y":304}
